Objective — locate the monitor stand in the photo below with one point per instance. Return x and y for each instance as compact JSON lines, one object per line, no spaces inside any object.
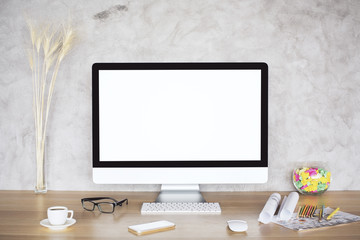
{"x":180,"y":193}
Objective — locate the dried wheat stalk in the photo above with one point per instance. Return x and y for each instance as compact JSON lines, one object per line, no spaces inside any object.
{"x":49,"y":47}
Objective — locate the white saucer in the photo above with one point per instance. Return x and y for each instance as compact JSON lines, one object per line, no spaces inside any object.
{"x":68,"y":223}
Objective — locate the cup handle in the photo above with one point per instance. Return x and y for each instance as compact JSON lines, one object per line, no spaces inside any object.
{"x":71,"y":214}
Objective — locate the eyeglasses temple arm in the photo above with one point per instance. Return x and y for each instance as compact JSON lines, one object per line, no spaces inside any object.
{"x":121,"y":202}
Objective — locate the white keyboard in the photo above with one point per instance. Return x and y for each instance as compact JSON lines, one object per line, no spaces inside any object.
{"x":197,"y":208}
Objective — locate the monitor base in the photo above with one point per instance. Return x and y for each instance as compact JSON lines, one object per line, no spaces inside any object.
{"x":180,"y":193}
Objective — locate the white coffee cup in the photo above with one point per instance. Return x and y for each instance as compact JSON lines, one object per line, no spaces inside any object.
{"x":58,"y":215}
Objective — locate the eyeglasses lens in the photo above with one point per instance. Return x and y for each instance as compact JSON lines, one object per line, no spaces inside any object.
{"x":88,"y":205}
{"x":106,"y":207}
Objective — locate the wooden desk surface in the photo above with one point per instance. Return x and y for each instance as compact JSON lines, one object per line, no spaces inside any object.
{"x":21,"y":212}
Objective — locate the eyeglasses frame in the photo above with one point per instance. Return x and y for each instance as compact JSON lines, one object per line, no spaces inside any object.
{"x":115,"y":203}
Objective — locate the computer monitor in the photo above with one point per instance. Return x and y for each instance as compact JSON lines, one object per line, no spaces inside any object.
{"x":180,"y":124}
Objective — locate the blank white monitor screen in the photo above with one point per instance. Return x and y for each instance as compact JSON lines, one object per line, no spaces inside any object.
{"x":180,"y":115}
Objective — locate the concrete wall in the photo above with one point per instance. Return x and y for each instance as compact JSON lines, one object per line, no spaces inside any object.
{"x":312,"y":49}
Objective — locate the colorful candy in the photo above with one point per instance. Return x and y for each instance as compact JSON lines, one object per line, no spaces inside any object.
{"x":311,"y":180}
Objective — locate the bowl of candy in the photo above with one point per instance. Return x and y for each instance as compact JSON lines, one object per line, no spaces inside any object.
{"x":311,"y":181}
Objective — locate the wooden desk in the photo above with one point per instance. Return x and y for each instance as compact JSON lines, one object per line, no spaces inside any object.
{"x":21,"y":212}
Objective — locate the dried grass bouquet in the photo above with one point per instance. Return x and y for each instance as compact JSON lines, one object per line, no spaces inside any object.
{"x":49,"y":47}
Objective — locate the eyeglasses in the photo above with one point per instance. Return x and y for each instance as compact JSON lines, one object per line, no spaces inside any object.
{"x":103,"y":206}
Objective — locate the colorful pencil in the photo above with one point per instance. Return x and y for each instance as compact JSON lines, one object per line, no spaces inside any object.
{"x":303,"y":211}
{"x":308,"y":211}
{"x":298,"y":214}
{"x":332,"y":214}
{"x":321,"y":213}
{"x":313,"y":211}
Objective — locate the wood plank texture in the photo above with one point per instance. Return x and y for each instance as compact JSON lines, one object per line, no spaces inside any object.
{"x":22,"y":211}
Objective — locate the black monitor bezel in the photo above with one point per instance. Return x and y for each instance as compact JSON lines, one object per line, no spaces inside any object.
{"x":177,"y":66}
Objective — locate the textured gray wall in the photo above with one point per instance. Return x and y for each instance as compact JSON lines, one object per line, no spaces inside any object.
{"x":312,"y":49}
